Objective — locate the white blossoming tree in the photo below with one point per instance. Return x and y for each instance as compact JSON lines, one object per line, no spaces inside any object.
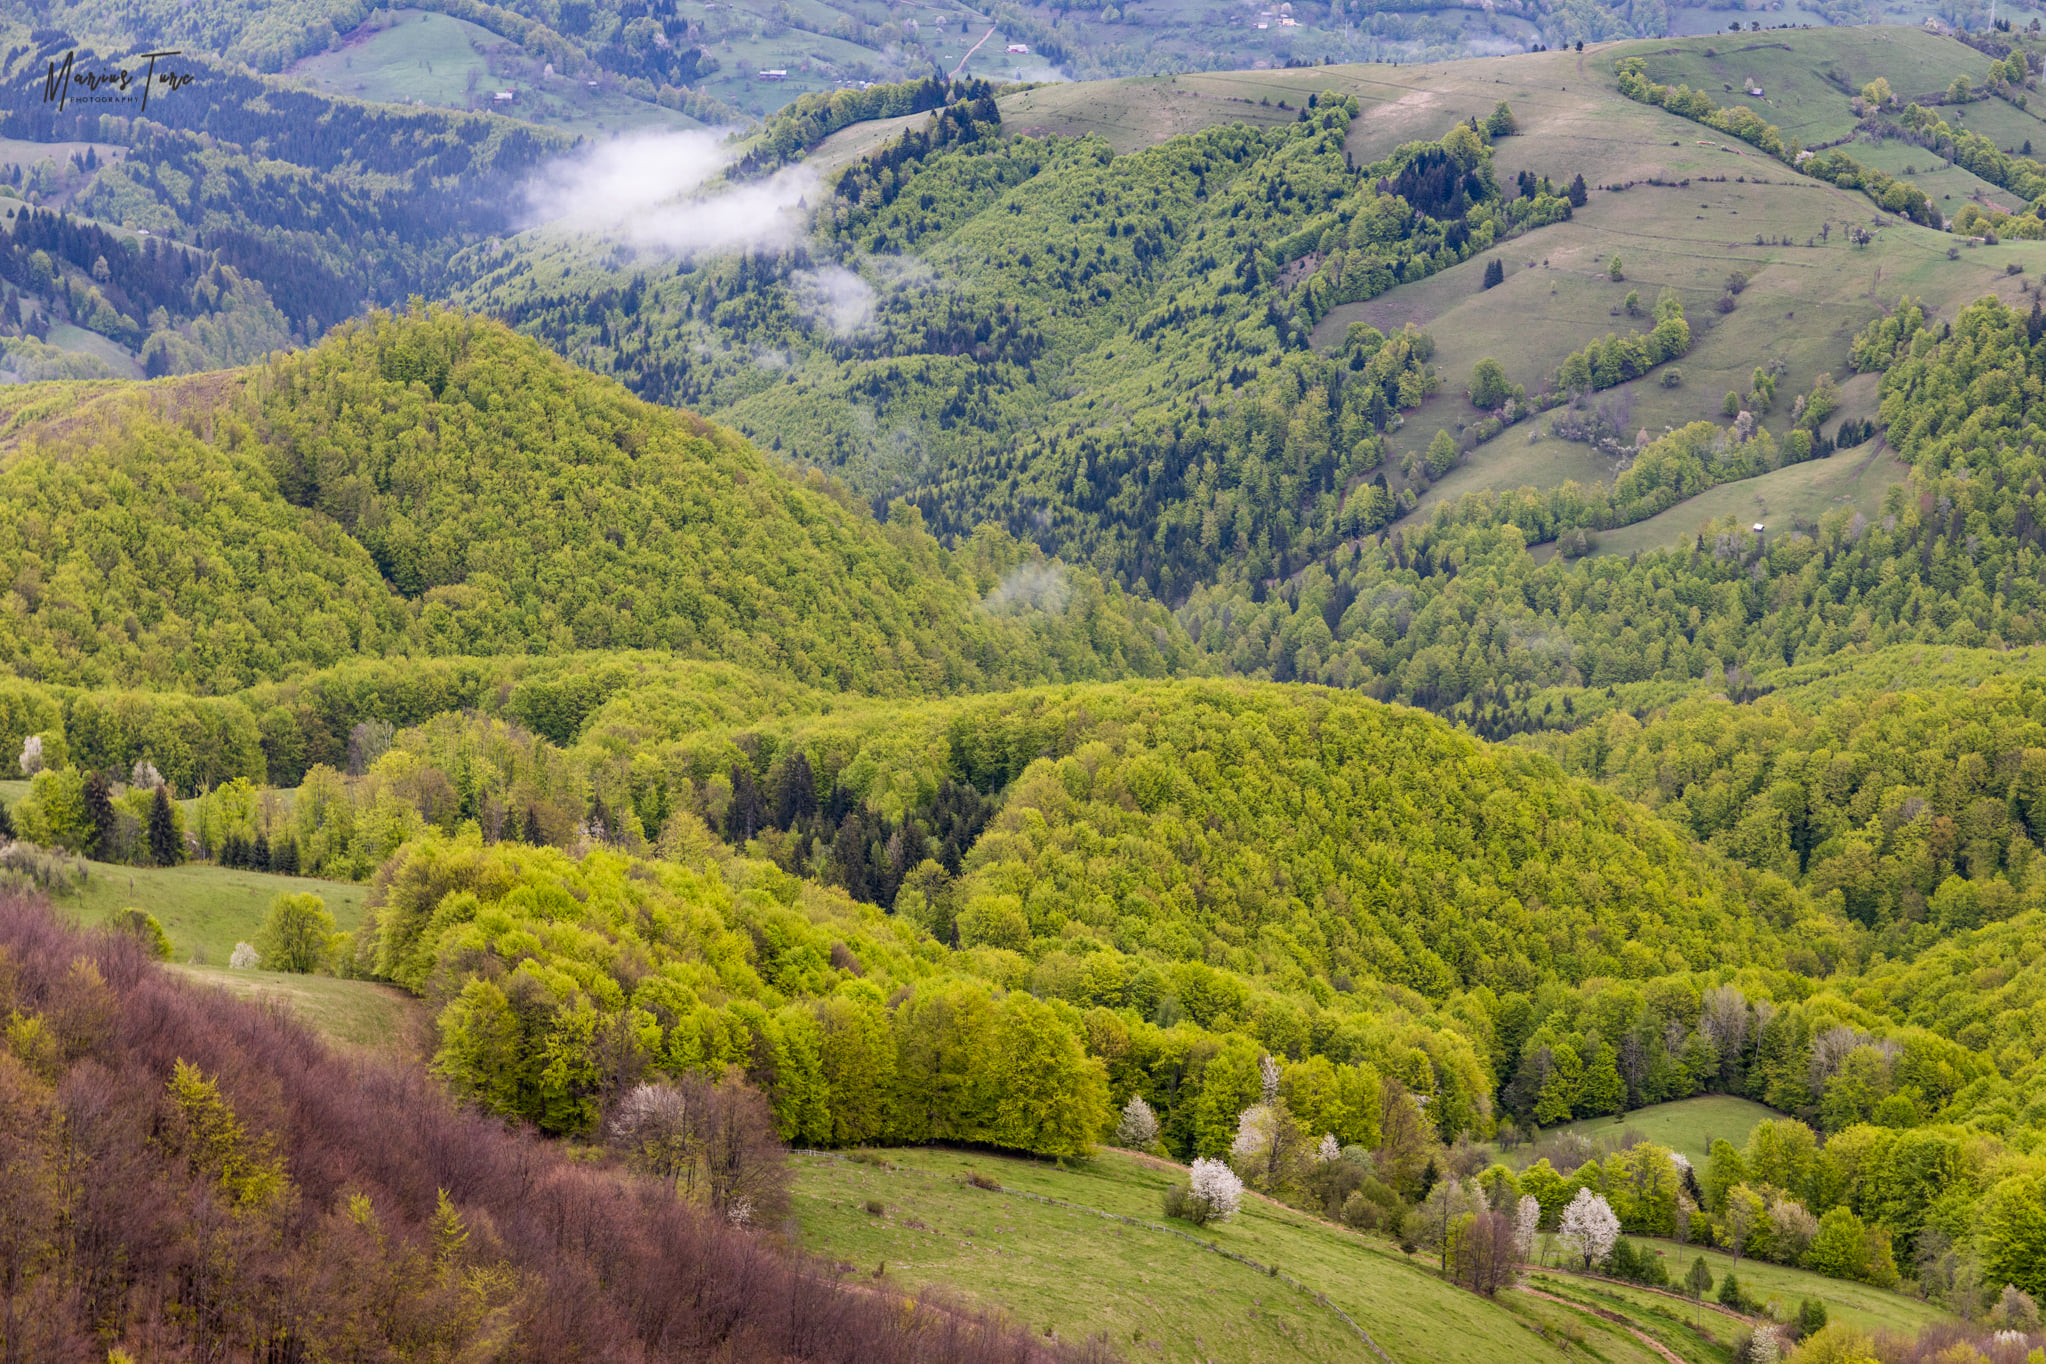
{"x":1329,"y":1151}
{"x":1527,"y":1220}
{"x":32,"y":755}
{"x":1138,"y":1126}
{"x":1590,"y":1227}
{"x":1215,"y":1186}
{"x":245,"y":957}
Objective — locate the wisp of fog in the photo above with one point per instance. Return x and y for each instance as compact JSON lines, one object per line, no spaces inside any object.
{"x":653,"y":191}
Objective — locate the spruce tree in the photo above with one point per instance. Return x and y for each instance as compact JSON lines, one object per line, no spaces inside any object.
{"x":99,"y":812}
{"x":1495,"y":274}
{"x":6,"y":823}
{"x":164,"y":848}
{"x":1579,"y":195}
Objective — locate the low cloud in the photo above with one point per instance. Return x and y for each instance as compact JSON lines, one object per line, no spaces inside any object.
{"x":837,"y":297}
{"x":1040,"y":585}
{"x":653,"y":191}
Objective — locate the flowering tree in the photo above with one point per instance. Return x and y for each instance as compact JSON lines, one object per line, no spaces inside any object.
{"x":1270,"y":1148}
{"x":1216,"y":1187}
{"x":1138,"y":1126}
{"x":32,"y":755}
{"x":244,"y":957}
{"x":1328,"y":1152}
{"x":1268,"y":1079}
{"x":1527,"y":1221}
{"x":1590,"y":1226}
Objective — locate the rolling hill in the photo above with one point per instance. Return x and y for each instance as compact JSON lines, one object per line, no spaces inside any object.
{"x":1001,"y":719}
{"x":432,"y":484}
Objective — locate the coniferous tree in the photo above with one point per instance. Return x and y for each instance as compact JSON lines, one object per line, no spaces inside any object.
{"x":1495,"y":273}
{"x":99,"y":812}
{"x":1579,"y":195}
{"x":6,"y":822}
{"x":164,"y":848}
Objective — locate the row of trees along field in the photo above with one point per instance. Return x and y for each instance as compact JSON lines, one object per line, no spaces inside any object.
{"x":1958,"y":1216}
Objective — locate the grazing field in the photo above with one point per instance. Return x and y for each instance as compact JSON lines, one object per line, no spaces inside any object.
{"x":1780,"y":1289}
{"x":1722,"y":207}
{"x":1697,"y":1332}
{"x":360,"y":1012}
{"x":1688,"y":1126}
{"x":406,"y":56}
{"x":1153,"y":1294}
{"x":205,"y":909}
{"x":1801,"y":492}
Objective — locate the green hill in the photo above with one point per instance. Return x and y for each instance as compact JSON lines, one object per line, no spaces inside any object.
{"x":435,"y":485}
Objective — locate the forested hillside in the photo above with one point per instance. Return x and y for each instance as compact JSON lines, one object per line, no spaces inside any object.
{"x":1050,"y":655}
{"x":433,"y":484}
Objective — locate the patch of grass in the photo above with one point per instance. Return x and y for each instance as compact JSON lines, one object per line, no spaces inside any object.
{"x":1156,"y":1296}
{"x":1805,"y":491}
{"x":1693,"y":1330}
{"x":1780,"y":1289}
{"x":1585,"y":1331}
{"x":407,"y":55}
{"x":360,"y":1012}
{"x":78,"y":340}
{"x":205,"y":909}
{"x":1688,"y":1126}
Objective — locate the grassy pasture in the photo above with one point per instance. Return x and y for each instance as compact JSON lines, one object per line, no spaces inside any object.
{"x":1688,"y":1126}
{"x":205,"y":909}
{"x":1156,"y":1296}
{"x":1807,"y":491}
{"x":1793,"y":70}
{"x":1695,"y":1331}
{"x":1945,"y":183}
{"x":420,"y":55}
{"x":1780,"y":1289}
{"x":360,"y":1012}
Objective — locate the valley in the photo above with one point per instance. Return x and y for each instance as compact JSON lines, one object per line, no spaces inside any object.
{"x":1245,"y":685}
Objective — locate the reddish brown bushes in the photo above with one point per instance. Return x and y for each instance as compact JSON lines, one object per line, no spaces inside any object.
{"x":109,"y":1238}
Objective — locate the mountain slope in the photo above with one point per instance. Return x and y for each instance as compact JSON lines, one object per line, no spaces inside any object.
{"x":434,"y":484}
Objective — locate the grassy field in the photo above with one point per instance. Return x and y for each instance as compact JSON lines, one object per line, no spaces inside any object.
{"x":361,"y":1012}
{"x":1688,"y":1126}
{"x":907,"y":1218}
{"x":205,"y":909}
{"x":406,"y":56}
{"x":1804,"y":492}
{"x":1696,"y":1332}
{"x":1155,"y":1295}
{"x":1808,"y":293}
{"x":1780,"y":1289}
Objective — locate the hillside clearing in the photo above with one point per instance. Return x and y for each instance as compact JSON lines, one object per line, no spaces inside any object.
{"x":360,"y":1012}
{"x":206,"y":909}
{"x":1154,"y":1294}
{"x":1688,"y":1126}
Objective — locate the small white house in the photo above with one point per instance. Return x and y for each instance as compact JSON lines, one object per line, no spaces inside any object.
{"x":503,"y":97}
{"x":777,"y":74}
{"x":1020,"y":49}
